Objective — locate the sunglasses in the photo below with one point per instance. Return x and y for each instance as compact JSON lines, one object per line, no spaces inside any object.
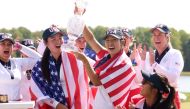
{"x":28,"y":42}
{"x":5,"y":35}
{"x":163,"y":27}
{"x":127,"y":32}
{"x":114,"y":31}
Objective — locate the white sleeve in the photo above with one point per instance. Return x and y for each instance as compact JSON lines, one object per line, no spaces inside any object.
{"x":138,"y":78}
{"x":41,"y":99}
{"x":172,"y":72}
{"x":30,"y":52}
{"x":30,"y":61}
{"x":51,"y":102}
{"x":82,"y":79}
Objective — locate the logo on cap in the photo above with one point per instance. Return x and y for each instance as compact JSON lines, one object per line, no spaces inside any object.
{"x":6,"y":36}
{"x":117,"y":33}
{"x":162,"y":28}
{"x":52,"y":31}
{"x":127,"y":32}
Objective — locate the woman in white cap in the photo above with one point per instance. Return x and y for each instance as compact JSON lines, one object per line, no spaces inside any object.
{"x":165,"y":60}
{"x":11,"y":68}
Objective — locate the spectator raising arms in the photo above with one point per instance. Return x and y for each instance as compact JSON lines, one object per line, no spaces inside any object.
{"x":165,"y":60}
{"x":11,"y":68}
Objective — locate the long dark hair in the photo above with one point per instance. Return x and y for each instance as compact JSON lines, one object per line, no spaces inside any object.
{"x":45,"y":64}
{"x":165,"y":103}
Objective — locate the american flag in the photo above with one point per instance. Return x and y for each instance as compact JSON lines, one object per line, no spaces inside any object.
{"x":116,"y":75}
{"x":49,"y":90}
{"x":90,"y":53}
{"x":76,"y":82}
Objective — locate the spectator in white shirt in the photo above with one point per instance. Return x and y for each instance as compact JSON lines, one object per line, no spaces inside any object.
{"x":11,"y":68}
{"x":165,"y":60}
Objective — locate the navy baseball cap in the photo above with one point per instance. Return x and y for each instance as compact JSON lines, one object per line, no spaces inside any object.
{"x":162,"y":28}
{"x":6,"y":36}
{"x":127,"y":32}
{"x":117,"y":33}
{"x":28,"y":43}
{"x":52,"y":31}
{"x":156,"y":81}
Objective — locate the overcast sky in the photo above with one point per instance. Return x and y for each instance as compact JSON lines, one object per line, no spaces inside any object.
{"x":40,"y":14}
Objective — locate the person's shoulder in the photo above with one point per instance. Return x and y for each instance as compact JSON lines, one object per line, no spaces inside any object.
{"x":174,"y":51}
{"x":38,"y":63}
{"x":68,"y":55}
{"x":102,"y":53}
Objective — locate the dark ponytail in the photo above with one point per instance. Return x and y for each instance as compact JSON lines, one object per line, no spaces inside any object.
{"x":45,"y":65}
{"x":167,"y":103}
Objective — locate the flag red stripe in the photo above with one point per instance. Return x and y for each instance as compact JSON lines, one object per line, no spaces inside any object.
{"x":103,"y":66}
{"x":112,"y":70}
{"x":75,"y":72}
{"x":118,"y":101}
{"x":34,"y":98}
{"x":122,"y":87}
{"x":118,"y":78}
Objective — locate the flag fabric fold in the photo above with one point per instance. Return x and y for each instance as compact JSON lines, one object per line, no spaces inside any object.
{"x":116,"y":76}
{"x":75,"y":84}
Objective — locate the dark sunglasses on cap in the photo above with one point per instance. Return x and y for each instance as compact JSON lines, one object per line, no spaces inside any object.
{"x":127,"y":32}
{"x":28,"y":42}
{"x":114,"y":31}
{"x":6,"y":35}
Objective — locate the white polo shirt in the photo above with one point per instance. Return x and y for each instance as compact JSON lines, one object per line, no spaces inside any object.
{"x":11,"y":87}
{"x":170,"y":66}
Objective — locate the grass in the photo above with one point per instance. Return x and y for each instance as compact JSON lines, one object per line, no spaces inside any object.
{"x":186,"y":104}
{"x":185,"y":74}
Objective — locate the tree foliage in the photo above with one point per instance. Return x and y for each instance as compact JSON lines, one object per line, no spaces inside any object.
{"x":179,"y":39}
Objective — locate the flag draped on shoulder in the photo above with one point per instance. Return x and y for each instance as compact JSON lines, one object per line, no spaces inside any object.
{"x":75,"y":83}
{"x":116,"y":75}
{"x":44,"y":90}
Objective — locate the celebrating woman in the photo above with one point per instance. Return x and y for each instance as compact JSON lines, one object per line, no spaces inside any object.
{"x":11,"y":68}
{"x":59,"y":80}
{"x":113,"y":73}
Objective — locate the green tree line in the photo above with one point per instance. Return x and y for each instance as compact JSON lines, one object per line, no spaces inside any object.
{"x":179,"y":39}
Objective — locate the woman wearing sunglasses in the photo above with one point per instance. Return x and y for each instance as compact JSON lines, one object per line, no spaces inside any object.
{"x":113,"y":73}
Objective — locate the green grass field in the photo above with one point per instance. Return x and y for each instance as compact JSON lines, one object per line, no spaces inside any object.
{"x":185,"y":74}
{"x":186,"y":104}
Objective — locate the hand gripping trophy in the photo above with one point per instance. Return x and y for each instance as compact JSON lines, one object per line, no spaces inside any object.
{"x":76,"y":24}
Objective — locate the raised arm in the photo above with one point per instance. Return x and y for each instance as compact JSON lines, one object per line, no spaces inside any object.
{"x":91,"y":40}
{"x":30,"y":61}
{"x":90,"y":71}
